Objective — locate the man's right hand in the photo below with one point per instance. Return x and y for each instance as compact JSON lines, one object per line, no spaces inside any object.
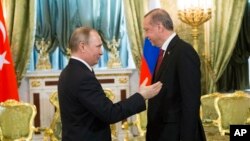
{"x":150,"y":91}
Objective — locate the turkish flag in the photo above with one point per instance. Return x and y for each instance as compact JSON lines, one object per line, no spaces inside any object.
{"x":8,"y":82}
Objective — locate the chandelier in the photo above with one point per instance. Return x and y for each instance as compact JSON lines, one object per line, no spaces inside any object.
{"x":194,"y":13}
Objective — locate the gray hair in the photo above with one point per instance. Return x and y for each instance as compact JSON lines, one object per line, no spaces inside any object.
{"x":81,"y":34}
{"x":162,"y":16}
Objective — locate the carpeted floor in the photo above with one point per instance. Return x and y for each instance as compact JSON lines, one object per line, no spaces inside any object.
{"x":212,"y":134}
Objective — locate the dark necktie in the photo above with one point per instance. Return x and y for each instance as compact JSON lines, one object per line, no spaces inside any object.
{"x":160,"y":57}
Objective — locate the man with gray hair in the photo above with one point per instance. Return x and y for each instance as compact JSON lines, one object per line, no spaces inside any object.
{"x":86,"y":112}
{"x":173,"y":115}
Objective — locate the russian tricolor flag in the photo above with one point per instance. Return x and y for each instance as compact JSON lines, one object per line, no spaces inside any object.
{"x":148,"y":61}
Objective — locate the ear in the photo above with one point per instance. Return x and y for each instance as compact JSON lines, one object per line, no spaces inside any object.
{"x":160,"y":27}
{"x":81,"y":47}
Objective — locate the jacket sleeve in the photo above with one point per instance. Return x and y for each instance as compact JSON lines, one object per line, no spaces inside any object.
{"x":190,"y":87}
{"x":92,"y":96}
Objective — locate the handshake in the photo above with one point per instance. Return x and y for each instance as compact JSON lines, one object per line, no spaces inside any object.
{"x":150,"y":91}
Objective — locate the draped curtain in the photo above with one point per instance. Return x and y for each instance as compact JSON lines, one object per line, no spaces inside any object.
{"x":20,"y":21}
{"x":57,"y":19}
{"x":236,"y":76}
{"x":224,"y":30}
{"x":134,"y":13}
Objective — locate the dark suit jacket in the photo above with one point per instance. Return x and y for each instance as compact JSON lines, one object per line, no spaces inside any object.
{"x":173,"y":114}
{"x":86,"y":112}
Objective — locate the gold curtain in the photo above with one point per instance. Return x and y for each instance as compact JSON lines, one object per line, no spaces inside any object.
{"x":224,"y":29}
{"x":20,"y":22}
{"x":134,"y":13}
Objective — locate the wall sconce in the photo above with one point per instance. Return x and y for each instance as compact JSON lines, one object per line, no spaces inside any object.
{"x":194,"y":13}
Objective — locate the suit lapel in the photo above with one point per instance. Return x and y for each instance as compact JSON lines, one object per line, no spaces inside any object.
{"x":167,"y":55}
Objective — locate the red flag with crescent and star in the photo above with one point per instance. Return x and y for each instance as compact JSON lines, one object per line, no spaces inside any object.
{"x":8,"y":82}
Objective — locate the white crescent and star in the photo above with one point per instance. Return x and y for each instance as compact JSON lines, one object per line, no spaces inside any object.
{"x":2,"y":56}
{"x":3,"y":60}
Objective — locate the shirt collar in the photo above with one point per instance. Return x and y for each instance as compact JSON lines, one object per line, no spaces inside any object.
{"x":84,"y":62}
{"x":166,"y":43}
